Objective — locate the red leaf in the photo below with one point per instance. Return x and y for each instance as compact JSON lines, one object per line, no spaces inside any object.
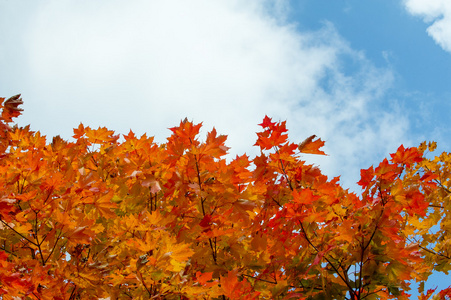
{"x":366,"y":177}
{"x":273,"y":137}
{"x":406,"y":156}
{"x":267,"y":123}
{"x":429,"y":176}
{"x":205,"y":221}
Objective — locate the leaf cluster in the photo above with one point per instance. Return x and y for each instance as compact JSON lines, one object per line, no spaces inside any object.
{"x":101,"y":217}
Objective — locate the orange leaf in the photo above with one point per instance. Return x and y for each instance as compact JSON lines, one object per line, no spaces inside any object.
{"x":202,"y":278}
{"x":311,"y":147}
{"x":229,"y":284}
{"x":11,"y":108}
{"x":304,"y":196}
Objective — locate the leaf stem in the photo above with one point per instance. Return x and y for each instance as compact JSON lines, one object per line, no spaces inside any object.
{"x":22,"y":236}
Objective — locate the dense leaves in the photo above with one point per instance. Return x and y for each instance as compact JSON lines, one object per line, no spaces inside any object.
{"x":127,"y":218}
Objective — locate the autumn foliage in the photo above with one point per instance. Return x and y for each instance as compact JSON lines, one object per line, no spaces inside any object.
{"x":104,"y":216}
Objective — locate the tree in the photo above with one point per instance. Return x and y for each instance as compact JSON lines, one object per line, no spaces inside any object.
{"x":100,"y":217}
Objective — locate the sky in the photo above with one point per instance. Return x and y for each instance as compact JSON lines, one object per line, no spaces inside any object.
{"x":365,"y":76}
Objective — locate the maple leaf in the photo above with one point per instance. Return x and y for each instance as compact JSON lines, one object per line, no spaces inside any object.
{"x":304,"y":196}
{"x":407,"y":156}
{"x":417,"y":203}
{"x":235,"y":289}
{"x":214,"y":145}
{"x":273,"y":137}
{"x":104,"y":205}
{"x":267,"y":123}
{"x":387,"y":171}
{"x":100,"y":136}
{"x":311,"y":146}
{"x":11,"y":108}
{"x":366,"y":177}
{"x":205,"y":278}
{"x":186,"y":130}
{"x":79,"y":132}
{"x":81,"y":235}
{"x":229,"y":283}
{"x":130,"y":136}
{"x":428,"y":176}
{"x":7,"y":208}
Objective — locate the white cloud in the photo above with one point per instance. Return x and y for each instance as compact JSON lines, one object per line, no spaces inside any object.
{"x":145,"y":65}
{"x":437,"y":12}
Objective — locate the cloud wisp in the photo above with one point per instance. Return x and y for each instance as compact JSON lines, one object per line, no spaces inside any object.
{"x":437,"y":12}
{"x":146,"y":65}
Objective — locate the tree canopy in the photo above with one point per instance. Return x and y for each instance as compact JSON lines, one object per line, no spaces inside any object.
{"x":104,"y":216}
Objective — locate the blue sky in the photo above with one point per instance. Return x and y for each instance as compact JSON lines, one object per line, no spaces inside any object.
{"x":392,"y":37}
{"x":365,"y":76}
